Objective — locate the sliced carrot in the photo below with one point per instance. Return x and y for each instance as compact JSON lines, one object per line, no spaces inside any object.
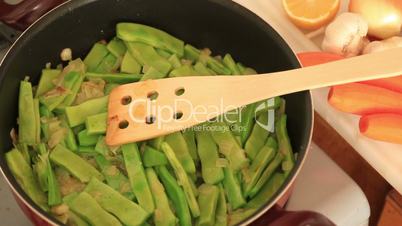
{"x":383,"y":127}
{"x":394,"y":84}
{"x":364,"y":99}
{"x":314,"y":58}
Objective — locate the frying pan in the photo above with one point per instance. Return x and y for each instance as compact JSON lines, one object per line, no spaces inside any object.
{"x":223,"y":26}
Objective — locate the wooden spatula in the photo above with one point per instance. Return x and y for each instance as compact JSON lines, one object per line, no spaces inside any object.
{"x":144,"y":110}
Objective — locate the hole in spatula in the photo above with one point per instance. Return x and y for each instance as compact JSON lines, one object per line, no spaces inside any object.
{"x":180,"y":91}
{"x":150,"y":119}
{"x":153,"y":95}
{"x":126,"y":100}
{"x":178,"y":115}
{"x":123,"y":124}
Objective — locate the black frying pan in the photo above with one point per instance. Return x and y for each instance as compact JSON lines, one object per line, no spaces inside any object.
{"x":223,"y":26}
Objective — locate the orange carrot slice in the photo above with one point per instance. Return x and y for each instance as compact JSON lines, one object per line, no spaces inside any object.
{"x":383,"y":127}
{"x":314,"y":58}
{"x":364,"y":99}
{"x":394,"y":84}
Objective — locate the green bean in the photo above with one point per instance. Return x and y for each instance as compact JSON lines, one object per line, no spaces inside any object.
{"x":101,"y":146}
{"x":109,"y":64}
{"x":245,"y":70}
{"x":176,"y":195}
{"x":27,"y":117}
{"x":130,"y":64}
{"x":114,"y":177}
{"x":152,"y":73}
{"x":45,"y":114}
{"x":69,"y":139}
{"x":85,"y":139}
{"x":116,"y":47}
{"x":233,"y":189}
{"x":284,"y":145}
{"x":46,"y":81}
{"x":54,"y":97}
{"x":86,"y":207}
{"x":247,"y":122}
{"x":119,"y":78}
{"x":163,"y":53}
{"x":141,"y":33}
{"x":24,"y":150}
{"x":146,"y":55}
{"x":163,"y":214}
{"x":128,"y":212}
{"x":267,"y":191}
{"x":266,"y":174}
{"x":215,"y":65}
{"x":263,"y":109}
{"x":185,"y":70}
{"x":95,"y":56}
{"x":96,"y":124}
{"x":208,"y":152}
{"x":54,"y":194}
{"x":23,"y":173}
{"x":191,"y":53}
{"x":221,"y":209}
{"x":109,"y":87}
{"x":152,"y":157}
{"x":86,"y":150}
{"x":182,"y":178}
{"x":175,"y":61}
{"x":74,"y":164}
{"x":37,"y":120}
{"x":189,"y":136}
{"x":40,"y":170}
{"x":263,"y":158}
{"x":136,"y":176}
{"x":156,"y":142}
{"x":257,"y":137}
{"x":228,"y":146}
{"x":231,"y":64}
{"x":74,"y":219}
{"x":208,"y":200}
{"x":77,"y":115}
{"x":201,"y":69}
{"x":181,"y":151}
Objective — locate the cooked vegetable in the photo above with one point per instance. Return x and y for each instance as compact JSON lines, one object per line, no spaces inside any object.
{"x":87,"y":208}
{"x":74,"y":164}
{"x":27,"y":117}
{"x":181,"y":151}
{"x":177,"y":196}
{"x":128,"y":212}
{"x":136,"y":176}
{"x":198,"y":176}
{"x":163,"y":215}
{"x":208,"y":152}
{"x":182,"y":178}
{"x":77,"y":115}
{"x":208,"y":200}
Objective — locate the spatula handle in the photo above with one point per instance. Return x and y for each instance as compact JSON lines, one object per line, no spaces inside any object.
{"x":366,"y":67}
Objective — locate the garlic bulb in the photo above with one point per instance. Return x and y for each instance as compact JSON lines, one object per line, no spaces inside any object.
{"x":346,"y":35}
{"x":378,"y":46}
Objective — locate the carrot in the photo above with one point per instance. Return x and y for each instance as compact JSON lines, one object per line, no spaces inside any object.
{"x":394,"y":83}
{"x":383,"y":127}
{"x":314,"y":58}
{"x":364,"y":99}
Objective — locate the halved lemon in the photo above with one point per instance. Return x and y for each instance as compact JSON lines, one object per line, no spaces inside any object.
{"x":311,"y":14}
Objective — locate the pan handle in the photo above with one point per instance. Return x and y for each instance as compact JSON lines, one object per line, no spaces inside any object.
{"x":277,"y":216}
{"x":19,"y":14}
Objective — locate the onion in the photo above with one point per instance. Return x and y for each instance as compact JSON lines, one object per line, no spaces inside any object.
{"x":383,"y":16}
